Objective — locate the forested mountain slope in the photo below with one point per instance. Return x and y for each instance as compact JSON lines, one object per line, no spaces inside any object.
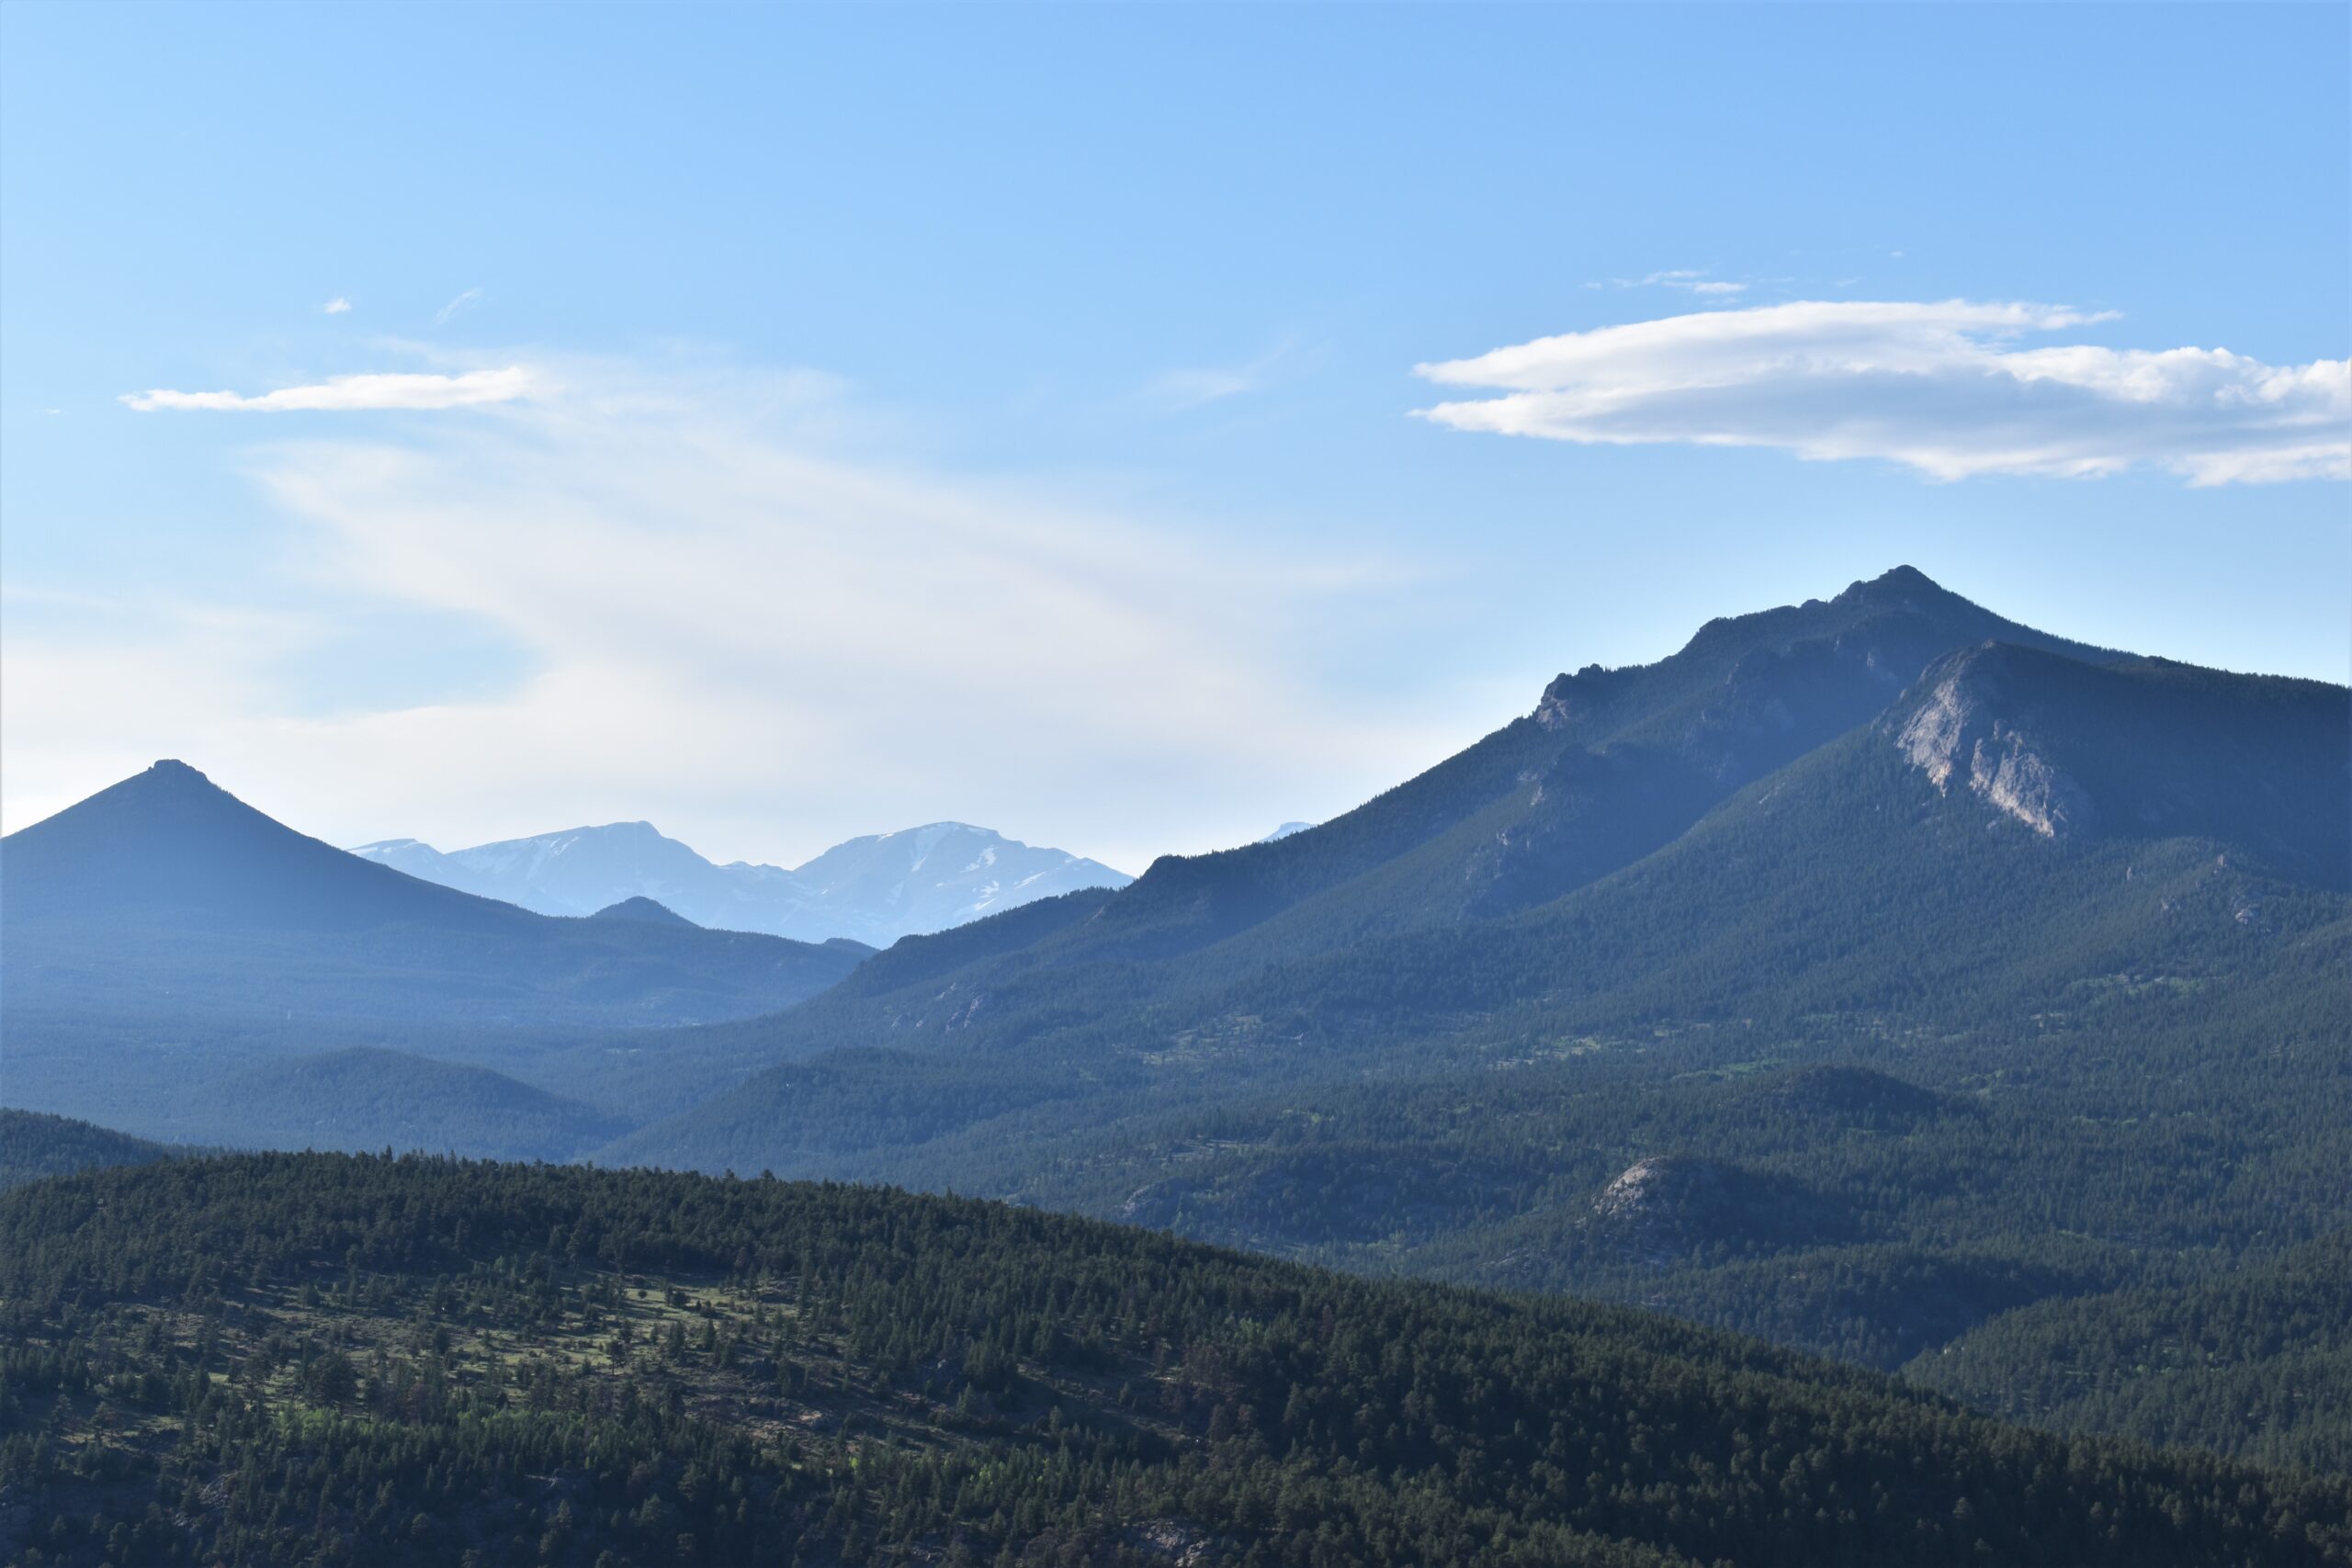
{"x":2255,"y":1361}
{"x":370,"y":1098}
{"x":290,"y":1359}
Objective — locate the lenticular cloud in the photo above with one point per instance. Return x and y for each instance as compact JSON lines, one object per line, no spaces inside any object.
{"x":1950,"y":388}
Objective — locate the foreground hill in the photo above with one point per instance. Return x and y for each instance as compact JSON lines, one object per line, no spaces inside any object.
{"x":314,"y":1357}
{"x":874,"y":889}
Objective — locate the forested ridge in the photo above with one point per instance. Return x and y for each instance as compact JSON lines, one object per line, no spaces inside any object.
{"x":312,"y":1358}
{"x":33,"y":1145}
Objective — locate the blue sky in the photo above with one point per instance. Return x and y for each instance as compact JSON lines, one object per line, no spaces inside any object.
{"x":858,"y":417}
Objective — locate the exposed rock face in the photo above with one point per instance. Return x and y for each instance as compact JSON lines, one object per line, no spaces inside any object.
{"x":1669,"y":1206}
{"x":2024,"y":783}
{"x":1647,"y":1186}
{"x":1661,"y":1208}
{"x":1955,"y":732}
{"x":1571,"y":698}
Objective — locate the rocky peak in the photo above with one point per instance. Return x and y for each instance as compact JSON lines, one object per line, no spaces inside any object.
{"x":1570,"y":698}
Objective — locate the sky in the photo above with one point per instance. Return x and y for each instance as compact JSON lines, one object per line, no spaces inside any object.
{"x":1128,"y":428}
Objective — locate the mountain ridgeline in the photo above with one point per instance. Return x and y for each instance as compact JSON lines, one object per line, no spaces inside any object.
{"x":872,"y":890}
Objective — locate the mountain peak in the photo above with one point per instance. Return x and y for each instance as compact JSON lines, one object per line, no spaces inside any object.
{"x":169,"y":838}
{"x":1903,"y":588}
{"x":650,"y":911}
{"x":1907,"y":579}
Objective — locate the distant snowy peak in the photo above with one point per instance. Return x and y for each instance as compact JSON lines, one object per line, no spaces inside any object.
{"x":873,"y":890}
{"x":944,"y":873}
{"x":1285,"y":830}
{"x":416,"y":858}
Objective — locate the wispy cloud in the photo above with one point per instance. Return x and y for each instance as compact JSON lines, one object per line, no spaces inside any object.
{"x":1195,"y":387}
{"x":466,"y":301}
{"x":399,"y":390}
{"x":727,"y":615}
{"x":1688,"y":279}
{"x":1945,"y":388}
{"x":336,"y":307}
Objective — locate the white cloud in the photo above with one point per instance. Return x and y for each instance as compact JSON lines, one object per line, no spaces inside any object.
{"x":1688,"y":279}
{"x":336,"y":307}
{"x":1945,"y":388}
{"x":349,"y":393}
{"x":721,"y":622}
{"x":466,"y":301}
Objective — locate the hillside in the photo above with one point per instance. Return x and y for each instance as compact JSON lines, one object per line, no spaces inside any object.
{"x":33,"y":1146}
{"x":874,"y":889}
{"x":319,"y":1356}
{"x":2256,"y":1362}
{"x":362,"y":1098}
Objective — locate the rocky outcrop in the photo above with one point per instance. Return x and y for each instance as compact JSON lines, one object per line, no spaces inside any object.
{"x":2021,"y":781}
{"x":1662,"y":1187}
{"x":1957,"y":731}
{"x":1670,"y":1206}
{"x":1573,"y":699}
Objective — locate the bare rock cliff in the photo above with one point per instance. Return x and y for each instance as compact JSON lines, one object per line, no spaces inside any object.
{"x":1957,"y":732}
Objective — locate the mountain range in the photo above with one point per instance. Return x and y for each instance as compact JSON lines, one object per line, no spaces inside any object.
{"x":1839,"y":979}
{"x":874,"y":889}
{"x":1554,"y":1014}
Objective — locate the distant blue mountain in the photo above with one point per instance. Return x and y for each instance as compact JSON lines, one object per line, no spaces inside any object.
{"x":874,"y":890}
{"x":166,"y":893}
